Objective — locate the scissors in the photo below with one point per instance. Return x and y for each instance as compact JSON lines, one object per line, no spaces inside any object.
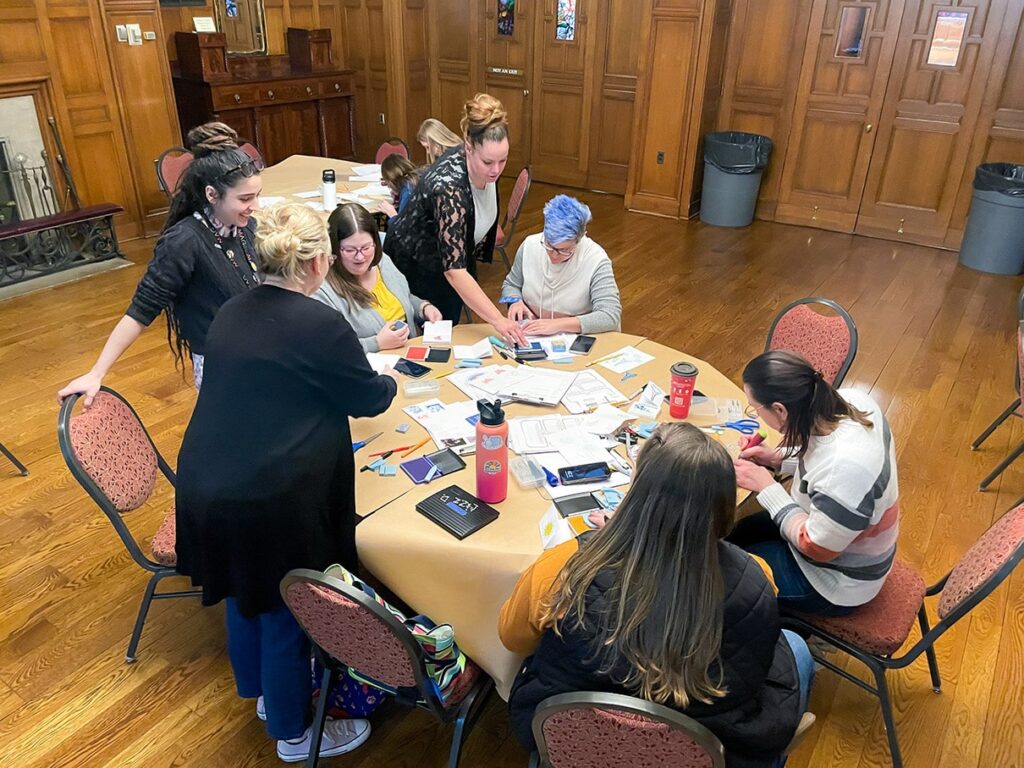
{"x":743,"y":426}
{"x":363,"y":443}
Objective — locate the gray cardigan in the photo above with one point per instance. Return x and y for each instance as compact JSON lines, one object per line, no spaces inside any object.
{"x":367,"y":321}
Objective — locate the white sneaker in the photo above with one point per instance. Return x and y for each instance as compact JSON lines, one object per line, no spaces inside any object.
{"x":340,"y":736}
{"x":261,"y":710}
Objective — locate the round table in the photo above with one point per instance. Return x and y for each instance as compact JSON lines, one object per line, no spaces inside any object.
{"x":465,"y":582}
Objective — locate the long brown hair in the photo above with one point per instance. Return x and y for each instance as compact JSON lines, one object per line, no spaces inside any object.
{"x":813,"y":405}
{"x":347,"y":220}
{"x":397,"y":171}
{"x":663,"y":612}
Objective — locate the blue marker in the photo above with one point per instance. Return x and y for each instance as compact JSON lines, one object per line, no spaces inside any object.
{"x":552,"y":480}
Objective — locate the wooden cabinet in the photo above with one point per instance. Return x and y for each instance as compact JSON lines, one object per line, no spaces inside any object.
{"x":282,"y":111}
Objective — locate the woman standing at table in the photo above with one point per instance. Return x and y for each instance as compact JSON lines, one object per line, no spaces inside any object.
{"x":266,"y":472}
{"x":366,"y":288}
{"x":656,"y":605}
{"x":452,"y":220}
{"x":436,"y":138}
{"x":831,"y":540}
{"x":204,"y":256}
{"x":562,"y":281}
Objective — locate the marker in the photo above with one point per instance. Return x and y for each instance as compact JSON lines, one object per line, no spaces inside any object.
{"x":758,"y":437}
{"x":552,"y":480}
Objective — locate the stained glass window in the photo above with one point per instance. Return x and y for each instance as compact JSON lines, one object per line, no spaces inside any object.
{"x":565,"y":20}
{"x":506,"y":17}
{"x":947,"y":38}
{"x":852,"y":27}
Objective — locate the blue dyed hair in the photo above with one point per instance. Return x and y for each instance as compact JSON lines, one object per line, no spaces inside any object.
{"x":565,"y":218}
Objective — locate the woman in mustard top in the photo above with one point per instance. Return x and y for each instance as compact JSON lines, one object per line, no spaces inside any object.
{"x":366,"y":287}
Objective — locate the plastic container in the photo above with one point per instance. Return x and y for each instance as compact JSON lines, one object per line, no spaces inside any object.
{"x":329,"y":190}
{"x":527,"y":472}
{"x":994,"y":237}
{"x":421,"y":388}
{"x":491,"y":452}
{"x":684,"y":378}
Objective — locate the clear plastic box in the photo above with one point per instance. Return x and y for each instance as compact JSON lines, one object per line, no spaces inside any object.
{"x":421,"y":388}
{"x":527,"y":472}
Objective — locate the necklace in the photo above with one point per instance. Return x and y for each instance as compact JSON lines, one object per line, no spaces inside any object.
{"x":250,"y":278}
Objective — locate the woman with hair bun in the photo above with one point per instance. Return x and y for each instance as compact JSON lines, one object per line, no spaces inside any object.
{"x":452,"y":220}
{"x":266,"y":474}
{"x":204,"y":256}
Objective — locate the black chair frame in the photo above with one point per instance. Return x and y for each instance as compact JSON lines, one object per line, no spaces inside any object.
{"x":879,"y":665}
{"x":629,"y":705}
{"x":161,"y":182}
{"x":157,"y":571}
{"x":464,"y":716}
{"x":22,"y":469}
{"x":839,"y":310}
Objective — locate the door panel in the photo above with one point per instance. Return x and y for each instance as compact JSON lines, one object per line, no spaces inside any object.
{"x":288,"y":129}
{"x":928,"y":120}
{"x":842,"y":87}
{"x":508,"y":77}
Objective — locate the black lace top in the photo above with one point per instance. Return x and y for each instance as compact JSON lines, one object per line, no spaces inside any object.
{"x":434,"y":232}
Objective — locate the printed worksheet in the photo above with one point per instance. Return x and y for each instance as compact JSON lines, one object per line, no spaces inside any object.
{"x":589,"y":390}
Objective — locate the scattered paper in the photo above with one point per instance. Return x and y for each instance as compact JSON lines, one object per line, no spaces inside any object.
{"x":437,"y":333}
{"x":540,"y":386}
{"x":363,"y":201}
{"x":449,"y":425}
{"x":555,"y":461}
{"x":373,"y":190}
{"x":554,"y":529}
{"x":649,"y":404}
{"x":590,"y":389}
{"x":379,"y":362}
{"x":372,"y":178}
{"x":626,"y":359}
{"x":269,"y":200}
{"x":316,"y":205}
{"x":482,"y":383}
{"x":477,"y":351}
{"x":307,"y":195}
{"x":367,"y":169}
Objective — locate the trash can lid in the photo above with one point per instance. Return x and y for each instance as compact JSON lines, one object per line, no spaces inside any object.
{"x":1007,"y":178}
{"x":737,"y":151}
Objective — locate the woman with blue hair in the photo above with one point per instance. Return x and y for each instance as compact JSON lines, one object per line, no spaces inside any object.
{"x":562,"y":281}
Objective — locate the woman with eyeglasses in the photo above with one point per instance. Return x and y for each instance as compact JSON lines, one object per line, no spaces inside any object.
{"x":365,"y":286}
{"x":266,"y":473}
{"x":562,"y":281}
{"x":452,"y":220}
{"x":205,"y":255}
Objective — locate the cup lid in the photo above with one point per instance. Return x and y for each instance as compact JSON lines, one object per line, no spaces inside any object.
{"x":684,"y":369}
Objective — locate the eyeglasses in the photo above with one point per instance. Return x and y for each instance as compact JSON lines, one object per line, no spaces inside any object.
{"x":331,"y":258}
{"x":752,"y":411}
{"x":566,"y":252}
{"x":249,"y":167}
{"x":364,"y":250}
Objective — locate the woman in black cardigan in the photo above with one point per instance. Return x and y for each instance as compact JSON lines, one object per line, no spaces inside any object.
{"x":656,"y":605}
{"x":205,"y":255}
{"x":452,"y":220}
{"x":266,"y":479}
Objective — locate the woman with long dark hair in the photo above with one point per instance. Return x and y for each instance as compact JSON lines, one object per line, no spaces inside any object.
{"x":831,"y":539}
{"x":205,"y":255}
{"x":656,"y":605}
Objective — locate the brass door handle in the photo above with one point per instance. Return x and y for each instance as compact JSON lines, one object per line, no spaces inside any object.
{"x":868,"y":128}
{"x":337,"y":87}
{"x":237,"y":98}
{"x":309,"y":90}
{"x":270,"y":95}
{"x":526,"y":91}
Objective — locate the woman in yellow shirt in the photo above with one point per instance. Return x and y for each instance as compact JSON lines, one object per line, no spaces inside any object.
{"x":366,"y":287}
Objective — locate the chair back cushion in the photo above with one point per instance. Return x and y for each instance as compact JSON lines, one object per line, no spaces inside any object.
{"x":172,"y":168}
{"x":387,"y":148}
{"x":515,"y":200}
{"x":587,"y":737}
{"x":253,"y":153}
{"x":997,"y":546}
{"x":351,"y":634}
{"x":111,"y":444}
{"x":822,"y":339}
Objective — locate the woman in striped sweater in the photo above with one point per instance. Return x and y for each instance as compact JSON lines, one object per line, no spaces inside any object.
{"x":831,"y":540}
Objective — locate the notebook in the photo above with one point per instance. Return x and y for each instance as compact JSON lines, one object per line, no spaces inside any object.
{"x":458,"y":512}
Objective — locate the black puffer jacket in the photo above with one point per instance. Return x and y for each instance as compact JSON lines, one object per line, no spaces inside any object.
{"x":756,"y":718}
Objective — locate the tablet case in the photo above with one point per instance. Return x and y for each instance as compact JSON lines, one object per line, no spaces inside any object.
{"x":445,"y":461}
{"x":458,"y":512}
{"x":438,"y":355}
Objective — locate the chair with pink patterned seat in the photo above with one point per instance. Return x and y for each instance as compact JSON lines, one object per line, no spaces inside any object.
{"x":828,"y":342}
{"x":606,"y":730}
{"x":391,"y":146}
{"x":348,"y":628}
{"x":170,"y":167}
{"x":507,"y":228}
{"x":876,"y":631}
{"x":111,"y":455}
{"x":254,"y":154}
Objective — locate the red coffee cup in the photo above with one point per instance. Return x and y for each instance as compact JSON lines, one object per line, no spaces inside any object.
{"x":684,"y":377}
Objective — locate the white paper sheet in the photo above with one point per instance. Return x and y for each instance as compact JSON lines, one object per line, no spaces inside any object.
{"x":372,"y":178}
{"x":555,"y":461}
{"x":554,"y":529}
{"x":367,"y":169}
{"x":626,"y":359}
{"x":650,"y":402}
{"x":451,"y":425}
{"x":477,"y":351}
{"x":379,"y":362}
{"x":266,"y":202}
{"x":540,"y":386}
{"x":589,"y":389}
{"x":316,"y":205}
{"x":437,"y":333}
{"x":373,"y":190}
{"x":481,"y":383}
{"x":307,"y":195}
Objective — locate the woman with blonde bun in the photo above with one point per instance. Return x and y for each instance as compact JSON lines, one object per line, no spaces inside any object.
{"x":436,"y":138}
{"x":204,"y":257}
{"x":266,"y":475}
{"x":452,"y":220}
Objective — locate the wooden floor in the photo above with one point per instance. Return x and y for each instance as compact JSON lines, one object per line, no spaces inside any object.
{"x":936,"y":349}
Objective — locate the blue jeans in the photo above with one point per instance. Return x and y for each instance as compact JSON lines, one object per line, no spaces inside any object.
{"x":270,"y":658}
{"x":804,"y":673}
{"x":795,"y":591}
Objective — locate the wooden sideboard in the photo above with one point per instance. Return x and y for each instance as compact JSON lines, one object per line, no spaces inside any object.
{"x":283,"y":108}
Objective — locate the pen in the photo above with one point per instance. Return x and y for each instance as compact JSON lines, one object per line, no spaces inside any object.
{"x":388,"y":453}
{"x":416,"y":447}
{"x":602,"y":359}
{"x":552,"y":480}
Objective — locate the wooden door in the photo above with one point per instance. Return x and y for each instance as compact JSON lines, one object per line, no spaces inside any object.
{"x":561,"y":103}
{"x":942,"y":62}
{"x":365,"y":54}
{"x":336,"y":123}
{"x":508,"y":75}
{"x":839,"y":100}
{"x":455,"y":60}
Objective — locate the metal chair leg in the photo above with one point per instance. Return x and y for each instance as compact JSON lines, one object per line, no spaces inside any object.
{"x":326,"y":683}
{"x":534,"y":760}
{"x":457,"y":739}
{"x":933,"y":664}
{"x":504,"y":255}
{"x":890,"y":723}
{"x":992,"y":427}
{"x":14,"y":460}
{"x":140,"y":619}
{"x":1002,"y":465}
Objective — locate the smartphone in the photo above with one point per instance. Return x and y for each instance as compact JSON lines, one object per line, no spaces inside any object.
{"x":582,"y":345}
{"x":584,"y":473}
{"x":409,"y":368}
{"x":399,"y":325}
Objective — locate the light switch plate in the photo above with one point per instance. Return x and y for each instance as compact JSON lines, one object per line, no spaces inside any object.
{"x":122,"y":33}
{"x":134,"y":34}
{"x":149,"y":35}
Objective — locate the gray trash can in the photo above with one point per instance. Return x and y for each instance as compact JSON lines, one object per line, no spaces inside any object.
{"x":733,"y":163}
{"x":994,"y":237}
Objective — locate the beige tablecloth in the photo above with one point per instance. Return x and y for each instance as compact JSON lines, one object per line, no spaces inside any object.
{"x":302,"y":173}
{"x":465,"y":583}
